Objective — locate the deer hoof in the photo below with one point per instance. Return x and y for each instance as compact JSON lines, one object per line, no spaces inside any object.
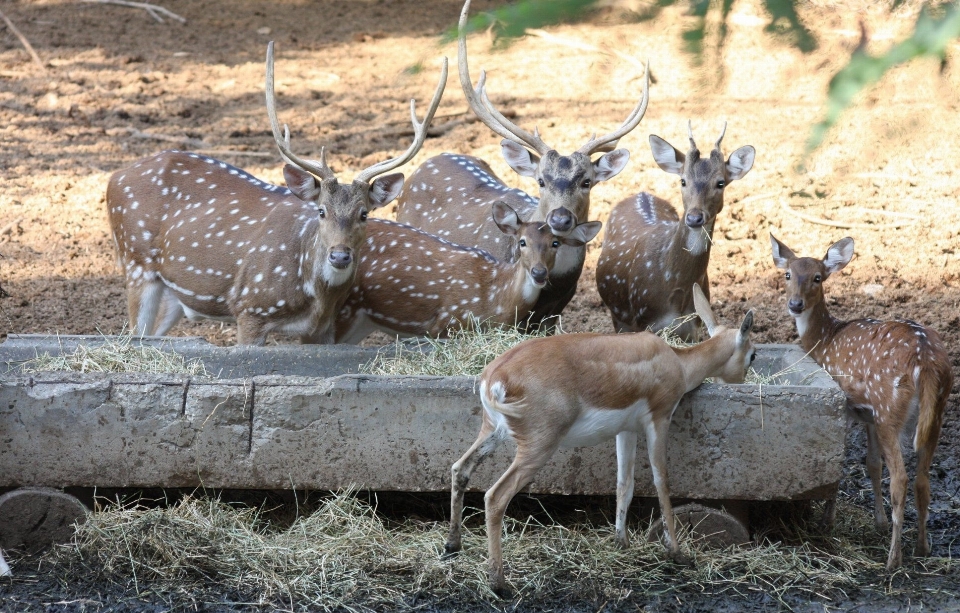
{"x":922,"y":549}
{"x":894,"y":561}
{"x":450,"y":550}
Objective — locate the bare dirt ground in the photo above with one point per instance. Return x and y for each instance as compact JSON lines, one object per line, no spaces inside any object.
{"x":116,"y":81}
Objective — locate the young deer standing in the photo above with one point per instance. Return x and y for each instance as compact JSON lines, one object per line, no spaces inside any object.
{"x":896,"y":375}
{"x":650,"y":258}
{"x":451,"y":195}
{"x":410,"y":282}
{"x":199,"y":237}
{"x":575,"y":390}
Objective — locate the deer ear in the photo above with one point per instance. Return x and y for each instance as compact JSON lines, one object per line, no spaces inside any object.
{"x":666,"y":155}
{"x":702,"y":305}
{"x":740,"y":162}
{"x":384,"y":189}
{"x":781,"y":253}
{"x":582,"y":234}
{"x":506,"y":218}
{"x":519,"y":159}
{"x":838,"y":255}
{"x":303,"y":184}
{"x":745,"y":327}
{"x":610,"y":164}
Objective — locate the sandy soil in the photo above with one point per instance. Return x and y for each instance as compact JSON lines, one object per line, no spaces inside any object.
{"x":345,"y":70}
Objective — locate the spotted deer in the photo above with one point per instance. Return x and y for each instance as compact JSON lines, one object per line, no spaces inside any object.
{"x":575,"y":390}
{"x":650,"y":257}
{"x":199,"y":237}
{"x":896,"y":376}
{"x":451,"y":195}
{"x":412,"y":283}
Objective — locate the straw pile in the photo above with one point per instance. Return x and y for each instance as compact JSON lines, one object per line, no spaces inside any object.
{"x":117,"y":354}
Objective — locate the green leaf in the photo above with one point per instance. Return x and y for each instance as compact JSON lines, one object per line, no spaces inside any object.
{"x":511,"y":21}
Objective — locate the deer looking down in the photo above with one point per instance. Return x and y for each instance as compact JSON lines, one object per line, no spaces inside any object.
{"x":199,"y":237}
{"x":575,"y":390}
{"x":650,"y":257}
{"x":896,"y":375}
{"x":410,"y":282}
{"x":451,"y":195}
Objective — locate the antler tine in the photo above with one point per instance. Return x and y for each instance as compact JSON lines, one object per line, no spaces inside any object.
{"x":419,"y":130}
{"x":722,"y":132}
{"x":609,"y":141}
{"x":693,"y":144}
{"x":283,"y":140}
{"x":485,"y":112}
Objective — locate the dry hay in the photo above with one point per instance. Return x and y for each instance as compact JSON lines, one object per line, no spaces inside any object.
{"x":344,"y":556}
{"x":117,"y":354}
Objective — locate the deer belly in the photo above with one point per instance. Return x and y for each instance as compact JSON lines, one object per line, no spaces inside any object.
{"x":597,"y":425}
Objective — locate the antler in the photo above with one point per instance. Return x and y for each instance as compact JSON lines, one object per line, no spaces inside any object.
{"x":693,"y":144}
{"x":480,"y":104}
{"x":722,"y":132}
{"x":419,"y":130}
{"x":609,"y":141}
{"x":283,"y":140}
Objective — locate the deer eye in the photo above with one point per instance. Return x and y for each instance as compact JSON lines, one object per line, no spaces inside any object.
{"x":523,"y":242}
{"x":817,"y":278}
{"x":540,"y":182}
{"x":322,"y":213}
{"x":556,"y":244}
{"x":586,"y":184}
{"x":363,"y":215}
{"x":753,"y":357}
{"x":720,"y":184}
{"x":683,"y":182}
{"x":787,"y":275}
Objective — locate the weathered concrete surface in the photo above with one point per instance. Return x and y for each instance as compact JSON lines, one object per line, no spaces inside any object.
{"x":31,"y":519}
{"x":394,"y":433}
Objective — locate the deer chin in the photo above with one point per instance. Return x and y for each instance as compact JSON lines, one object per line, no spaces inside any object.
{"x":802,"y":319}
{"x":698,"y":239}
{"x":334,"y":276}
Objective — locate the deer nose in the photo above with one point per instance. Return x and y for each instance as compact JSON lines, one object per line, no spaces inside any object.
{"x":340,"y":257}
{"x":560,"y":220}
{"x":539,"y":274}
{"x":695,"y":219}
{"x":795,"y":305}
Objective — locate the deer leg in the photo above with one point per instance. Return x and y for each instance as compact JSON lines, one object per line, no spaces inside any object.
{"x":525,"y":465}
{"x":657,"y":449}
{"x":250,"y":330}
{"x":626,"y":464}
{"x":921,"y":491}
{"x":486,"y":442}
{"x":170,"y":313}
{"x":875,"y":470}
{"x":147,"y":306}
{"x":898,"y":493}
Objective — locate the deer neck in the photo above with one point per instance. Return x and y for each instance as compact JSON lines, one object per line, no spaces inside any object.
{"x":816,"y":328}
{"x":686,"y":254}
{"x":705,"y":359}
{"x":693,"y":242}
{"x":514,"y":287}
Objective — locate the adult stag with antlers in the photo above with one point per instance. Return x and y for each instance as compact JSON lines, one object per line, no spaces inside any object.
{"x":650,"y":257}
{"x":896,"y":375}
{"x":575,"y":390}
{"x":199,"y":237}
{"x":452,"y":195}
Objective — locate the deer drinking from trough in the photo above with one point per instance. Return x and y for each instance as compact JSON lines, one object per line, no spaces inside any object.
{"x":575,"y":390}
{"x":452,"y":195}
{"x":199,"y":237}
{"x":896,"y":376}
{"x":650,"y":257}
{"x":410,"y":282}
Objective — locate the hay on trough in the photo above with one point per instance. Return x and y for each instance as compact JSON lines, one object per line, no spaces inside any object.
{"x":117,"y":354}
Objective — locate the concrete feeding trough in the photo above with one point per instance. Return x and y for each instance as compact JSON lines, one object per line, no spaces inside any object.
{"x":301,"y":416}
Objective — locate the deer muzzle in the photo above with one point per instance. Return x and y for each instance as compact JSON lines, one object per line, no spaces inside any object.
{"x":539,"y":274}
{"x":340,"y":257}
{"x":561,"y":221}
{"x":695,"y":219}
{"x":795,"y":305}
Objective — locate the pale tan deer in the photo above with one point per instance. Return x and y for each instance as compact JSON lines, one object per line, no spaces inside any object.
{"x":199,"y":237}
{"x":575,"y":390}
{"x":412,"y":283}
{"x":896,"y":375}
{"x":650,"y":257}
{"x":451,"y":195}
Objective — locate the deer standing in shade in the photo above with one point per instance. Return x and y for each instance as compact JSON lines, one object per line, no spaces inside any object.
{"x":451,"y":195}
{"x":650,"y":257}
{"x":575,"y":390}
{"x":896,"y":375}
{"x":198,"y":237}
